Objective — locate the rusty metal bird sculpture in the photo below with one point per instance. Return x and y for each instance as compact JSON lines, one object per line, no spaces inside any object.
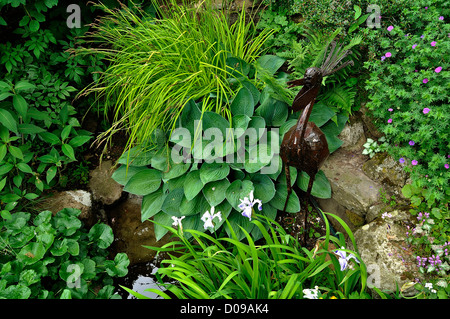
{"x":304,"y":146}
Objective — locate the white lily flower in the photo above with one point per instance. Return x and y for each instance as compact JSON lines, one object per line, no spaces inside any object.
{"x":247,"y":204}
{"x":208,"y":217}
{"x":344,"y":259}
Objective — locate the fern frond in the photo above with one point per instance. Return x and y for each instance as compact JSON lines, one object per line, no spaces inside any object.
{"x":340,"y":96}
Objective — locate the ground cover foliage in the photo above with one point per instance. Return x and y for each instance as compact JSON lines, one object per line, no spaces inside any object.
{"x":214,"y":75}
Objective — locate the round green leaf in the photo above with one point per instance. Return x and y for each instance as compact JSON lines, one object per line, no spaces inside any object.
{"x":144,"y":182}
{"x":102,"y":235}
{"x":31,"y":253}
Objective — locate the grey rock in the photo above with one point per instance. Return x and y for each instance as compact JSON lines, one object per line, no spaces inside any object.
{"x":389,"y":259}
{"x":103,"y":187}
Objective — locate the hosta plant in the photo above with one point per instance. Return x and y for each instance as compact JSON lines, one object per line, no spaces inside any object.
{"x":188,"y":175}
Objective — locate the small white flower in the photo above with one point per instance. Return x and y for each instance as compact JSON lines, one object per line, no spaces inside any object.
{"x":311,"y":293}
{"x":207,"y":218}
{"x":177,"y":221}
{"x":247,"y":204}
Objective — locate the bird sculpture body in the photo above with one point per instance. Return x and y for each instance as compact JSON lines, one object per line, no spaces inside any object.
{"x":305,"y":146}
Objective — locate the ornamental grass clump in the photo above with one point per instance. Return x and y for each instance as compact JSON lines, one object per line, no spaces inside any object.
{"x":157,"y":64}
{"x":409,"y":91}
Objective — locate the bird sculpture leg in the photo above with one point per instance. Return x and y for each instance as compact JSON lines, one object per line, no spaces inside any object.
{"x":308,"y":193}
{"x":288,"y":183}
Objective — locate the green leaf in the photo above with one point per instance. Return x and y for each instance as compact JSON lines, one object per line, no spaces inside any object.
{"x":144,"y":182}
{"x":215,"y":191}
{"x":152,"y":204}
{"x":264,"y":187}
{"x":321,"y":186}
{"x":8,"y":121}
{"x":102,"y":235}
{"x":51,"y":173}
{"x":118,"y":267}
{"x":243,"y":103}
{"x":68,"y":151}
{"x":34,"y":25}
{"x":3,"y":150}
{"x":163,"y":219}
{"x":238,"y":190}
{"x":270,"y":63}
{"x":279,"y":199}
{"x":24,"y":168}
{"x":123,"y":174}
{"x":275,"y":112}
{"x":66,"y":132}
{"x":175,"y":170}
{"x":5,"y":168}
{"x":172,"y":202}
{"x":50,"y":138}
{"x":30,"y":129}
{"x":15,"y":151}
{"x":192,"y":184}
{"x":79,"y":140}
{"x":31,"y":253}
{"x":23,"y":86}
{"x":212,"y":120}
{"x":210,"y":172}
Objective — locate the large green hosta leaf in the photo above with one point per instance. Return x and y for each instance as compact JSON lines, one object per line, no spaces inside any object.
{"x":144,"y":182}
{"x":215,"y":191}
{"x":279,"y":199}
{"x":321,"y":186}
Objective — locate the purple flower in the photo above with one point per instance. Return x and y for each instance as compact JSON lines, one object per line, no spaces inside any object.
{"x":401,"y":160}
{"x":388,"y":54}
{"x":414,"y":162}
{"x":390,"y":110}
{"x":438,"y":69}
{"x":390,"y":121}
{"x":425,"y":80}
{"x":446,"y":166}
{"x":422,"y":36}
{"x":390,"y":28}
{"x":441,"y":18}
{"x":426,"y":110}
{"x":411,"y":143}
{"x":344,"y":259}
{"x":433,"y":43}
{"x":382,"y":58}
{"x":414,"y":46}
